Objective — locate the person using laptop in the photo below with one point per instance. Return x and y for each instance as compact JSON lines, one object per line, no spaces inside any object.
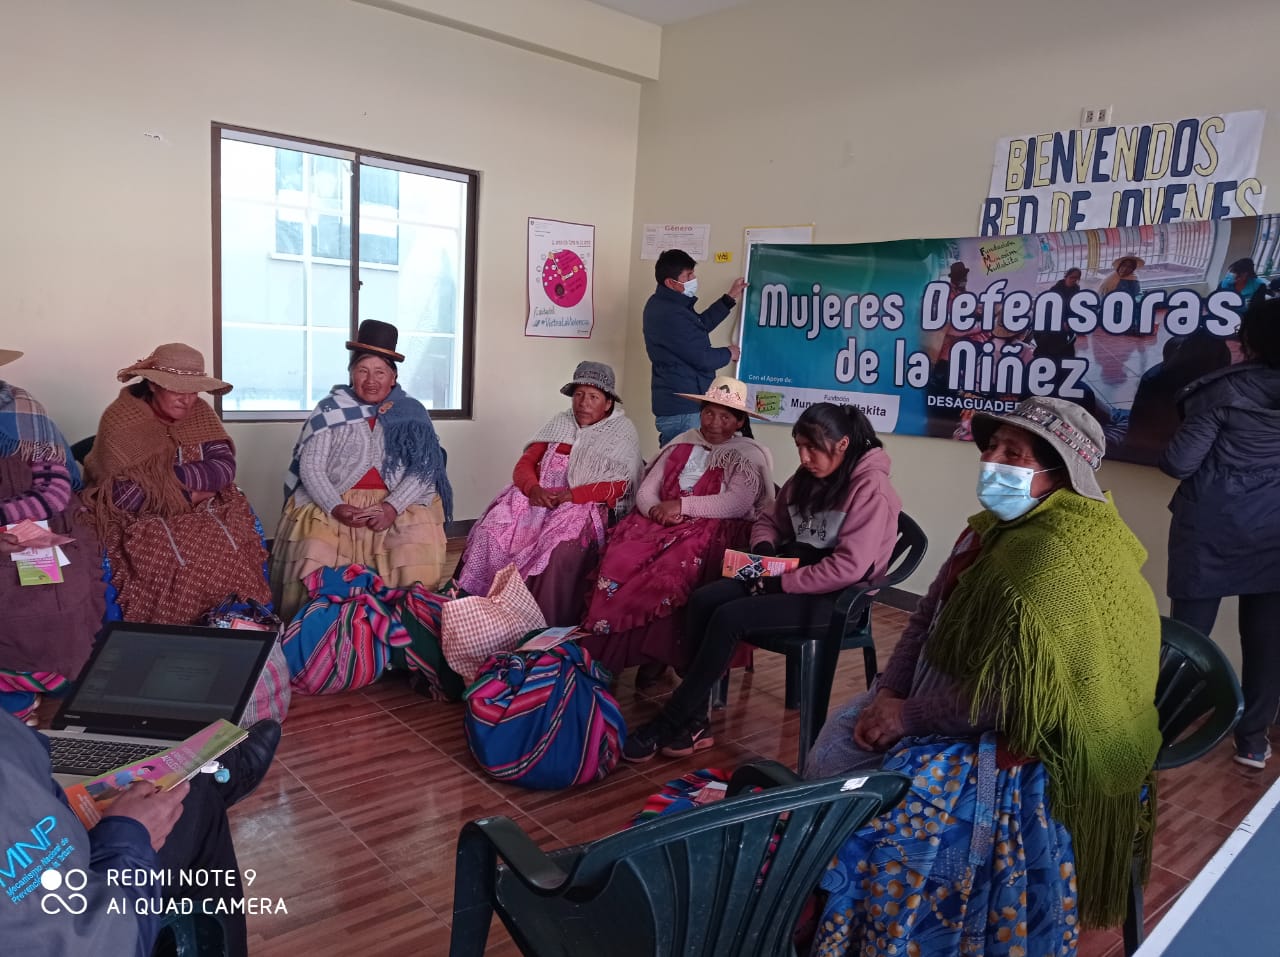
{"x":66,"y":890}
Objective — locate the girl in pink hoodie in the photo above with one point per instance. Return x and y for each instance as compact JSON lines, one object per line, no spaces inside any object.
{"x":838,"y":514}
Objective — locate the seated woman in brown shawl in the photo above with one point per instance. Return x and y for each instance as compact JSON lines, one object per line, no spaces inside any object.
{"x":179,"y":533}
{"x":47,"y":630}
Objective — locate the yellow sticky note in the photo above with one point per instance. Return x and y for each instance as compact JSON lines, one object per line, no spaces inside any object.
{"x":724,"y":257}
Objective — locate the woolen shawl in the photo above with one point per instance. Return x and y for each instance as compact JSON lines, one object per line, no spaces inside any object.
{"x":134,"y":445}
{"x":605,"y":451}
{"x":1055,"y":625}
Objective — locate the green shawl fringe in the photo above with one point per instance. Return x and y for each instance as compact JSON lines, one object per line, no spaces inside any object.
{"x":1055,"y":625}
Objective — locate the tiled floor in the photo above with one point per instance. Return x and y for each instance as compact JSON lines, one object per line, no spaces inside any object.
{"x":354,"y":828}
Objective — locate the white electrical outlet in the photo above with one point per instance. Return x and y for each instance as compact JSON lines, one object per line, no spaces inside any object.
{"x":1095,"y":116}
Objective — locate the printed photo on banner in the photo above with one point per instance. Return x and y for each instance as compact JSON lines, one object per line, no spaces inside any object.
{"x":1144,"y":174}
{"x":561,"y":267}
{"x":921,"y":333}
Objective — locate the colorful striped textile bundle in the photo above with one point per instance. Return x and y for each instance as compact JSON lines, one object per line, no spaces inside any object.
{"x":678,"y":795}
{"x":544,"y":719}
{"x":354,"y":626}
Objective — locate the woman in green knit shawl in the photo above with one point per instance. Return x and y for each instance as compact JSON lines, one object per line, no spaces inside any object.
{"x":1020,"y":699}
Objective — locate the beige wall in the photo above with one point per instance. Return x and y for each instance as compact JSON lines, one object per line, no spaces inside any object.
{"x":873,"y":120}
{"x":106,"y":238}
{"x":878,"y":120}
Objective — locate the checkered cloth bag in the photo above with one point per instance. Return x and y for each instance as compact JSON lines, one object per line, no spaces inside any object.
{"x":473,"y":628}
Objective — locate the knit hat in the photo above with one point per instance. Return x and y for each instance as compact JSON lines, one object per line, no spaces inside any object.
{"x":598,"y":375}
{"x":177,"y":367}
{"x":377,"y":339}
{"x":1074,"y":434}
{"x":729,"y":392}
{"x":8,"y":355}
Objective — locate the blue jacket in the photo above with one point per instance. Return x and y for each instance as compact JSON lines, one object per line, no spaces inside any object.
{"x":89,"y":914}
{"x":679,"y":345}
{"x":1224,"y":538}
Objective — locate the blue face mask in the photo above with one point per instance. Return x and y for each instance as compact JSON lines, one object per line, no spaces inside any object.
{"x":690,"y":288}
{"x":1006,"y":489}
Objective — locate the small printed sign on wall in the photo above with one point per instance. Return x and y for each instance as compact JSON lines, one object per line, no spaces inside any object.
{"x":561,"y":261}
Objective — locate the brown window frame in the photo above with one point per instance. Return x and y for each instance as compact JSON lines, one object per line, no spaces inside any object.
{"x":471,"y":247}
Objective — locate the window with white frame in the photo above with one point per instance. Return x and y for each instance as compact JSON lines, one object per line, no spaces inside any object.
{"x":311,"y":238}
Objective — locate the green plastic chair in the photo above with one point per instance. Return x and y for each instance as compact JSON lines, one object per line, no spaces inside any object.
{"x":727,"y":878}
{"x":812,"y":657}
{"x":1199,"y":701}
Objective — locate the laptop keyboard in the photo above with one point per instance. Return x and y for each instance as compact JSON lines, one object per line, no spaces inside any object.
{"x":87,"y":756}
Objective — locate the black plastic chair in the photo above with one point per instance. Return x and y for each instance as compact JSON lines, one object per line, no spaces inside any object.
{"x":812,"y":658}
{"x":707,"y":881}
{"x":1199,"y":702}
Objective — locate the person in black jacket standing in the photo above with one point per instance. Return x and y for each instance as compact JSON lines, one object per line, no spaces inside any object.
{"x":1224,"y":537}
{"x":678,"y":341}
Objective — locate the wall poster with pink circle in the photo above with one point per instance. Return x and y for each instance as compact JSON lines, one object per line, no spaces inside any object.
{"x":561,"y":267}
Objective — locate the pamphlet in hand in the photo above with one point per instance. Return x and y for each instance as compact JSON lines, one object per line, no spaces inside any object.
{"x":746,"y":566}
{"x":165,"y":770}
{"x":40,"y":561}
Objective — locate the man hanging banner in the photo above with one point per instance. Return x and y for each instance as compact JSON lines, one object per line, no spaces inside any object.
{"x":1195,"y":168}
{"x":921,"y":333}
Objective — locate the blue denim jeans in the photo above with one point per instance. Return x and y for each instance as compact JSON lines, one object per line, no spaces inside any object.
{"x":669,"y":426}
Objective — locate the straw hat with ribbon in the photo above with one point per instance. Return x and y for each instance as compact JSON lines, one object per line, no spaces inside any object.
{"x":729,"y":392}
{"x":177,"y":367}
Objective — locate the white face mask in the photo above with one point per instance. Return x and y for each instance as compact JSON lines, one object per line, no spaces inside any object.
{"x":690,"y":288}
{"x":1006,"y":489}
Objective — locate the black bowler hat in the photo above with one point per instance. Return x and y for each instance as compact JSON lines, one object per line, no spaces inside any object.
{"x":378,"y":339}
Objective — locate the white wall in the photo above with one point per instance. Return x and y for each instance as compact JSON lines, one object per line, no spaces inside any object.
{"x":105,"y":248}
{"x":878,"y":121}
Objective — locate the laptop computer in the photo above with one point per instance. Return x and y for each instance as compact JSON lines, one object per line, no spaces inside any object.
{"x":149,"y":687}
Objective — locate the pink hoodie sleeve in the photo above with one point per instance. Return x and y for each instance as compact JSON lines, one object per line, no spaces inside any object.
{"x":773,"y":524}
{"x":867,"y":537}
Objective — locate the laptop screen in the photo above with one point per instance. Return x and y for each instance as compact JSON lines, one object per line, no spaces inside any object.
{"x":167,"y":673}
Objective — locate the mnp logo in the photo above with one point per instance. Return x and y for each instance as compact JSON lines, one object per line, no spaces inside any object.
{"x":53,"y":881}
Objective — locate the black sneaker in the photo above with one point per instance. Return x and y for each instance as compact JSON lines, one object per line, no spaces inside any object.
{"x":694,"y":736}
{"x":643,"y":742}
{"x":249,"y":761}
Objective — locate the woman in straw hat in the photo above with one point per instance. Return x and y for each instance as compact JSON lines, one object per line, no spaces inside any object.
{"x":1124,"y":278}
{"x":838,"y":514}
{"x":696,"y":499}
{"x":551,"y":520}
{"x":47,"y":631}
{"x":367,"y":483}
{"x":179,"y":533}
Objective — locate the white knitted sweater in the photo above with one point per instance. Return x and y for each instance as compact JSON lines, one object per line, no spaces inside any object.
{"x":333,"y":460}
